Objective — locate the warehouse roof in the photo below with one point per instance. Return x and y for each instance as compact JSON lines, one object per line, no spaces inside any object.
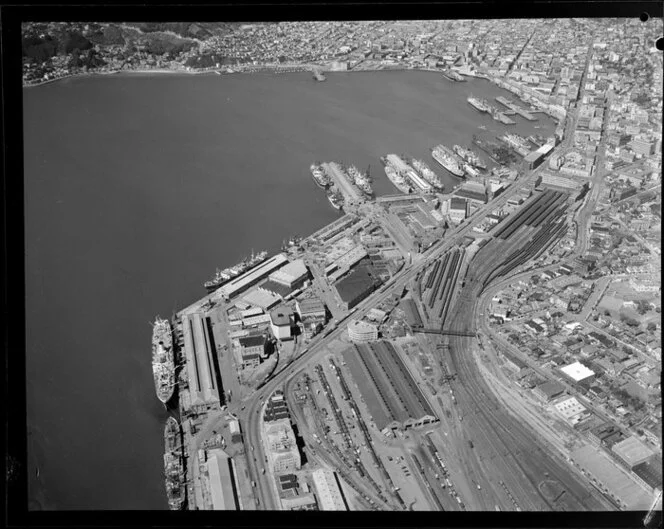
{"x":252,"y":341}
{"x":577,"y":371}
{"x":632,"y":450}
{"x":290,"y":272}
{"x":551,"y":388}
{"x":458,"y":203}
{"x":619,"y":483}
{"x":355,"y":283}
{"x":650,"y":471}
{"x":310,"y":305}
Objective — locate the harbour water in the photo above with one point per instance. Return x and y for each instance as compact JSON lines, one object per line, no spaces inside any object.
{"x":136,"y":188}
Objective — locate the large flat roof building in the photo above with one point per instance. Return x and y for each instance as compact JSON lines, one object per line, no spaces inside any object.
{"x":577,"y":371}
{"x":611,"y":478}
{"x":361,"y":331}
{"x":291,"y":275}
{"x":394,"y":399}
{"x":632,"y":451}
{"x":253,"y":276}
{"x":221,"y":480}
{"x":330,"y":496}
{"x":356,"y":286}
{"x":201,"y":371}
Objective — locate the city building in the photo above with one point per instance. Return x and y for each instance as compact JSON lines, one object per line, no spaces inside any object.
{"x":253,"y":350}
{"x":280,"y":323}
{"x":248,"y":279}
{"x":293,"y":275}
{"x":549,"y":390}
{"x":394,"y":399}
{"x":632,"y":451}
{"x":356,"y":286}
{"x":312,"y":315}
{"x":283,"y":454}
{"x":221,"y":480}
{"x":571,"y":410}
{"x":611,"y":479}
{"x":578,"y":372}
{"x":329,"y":494}
{"x":361,"y":331}
{"x":458,"y":209}
{"x":201,"y":363}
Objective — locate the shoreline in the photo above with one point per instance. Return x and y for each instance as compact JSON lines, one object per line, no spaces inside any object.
{"x":220,"y":71}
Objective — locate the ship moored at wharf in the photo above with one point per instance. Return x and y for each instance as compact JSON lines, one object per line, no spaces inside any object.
{"x":163,"y":362}
{"x":425,"y":172}
{"x":361,"y":181}
{"x":447,"y":159}
{"x":174,"y":464}
{"x":225,"y":275}
{"x":469,"y":156}
{"x":335,"y":198}
{"x":320,"y":177}
{"x":478,"y":104}
{"x":395,"y":177}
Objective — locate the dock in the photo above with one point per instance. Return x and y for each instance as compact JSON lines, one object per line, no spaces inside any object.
{"x":350,"y":193}
{"x":516,"y":108}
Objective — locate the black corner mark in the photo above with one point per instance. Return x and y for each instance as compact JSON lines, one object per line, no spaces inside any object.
{"x":659,"y":44}
{"x":644,"y":17}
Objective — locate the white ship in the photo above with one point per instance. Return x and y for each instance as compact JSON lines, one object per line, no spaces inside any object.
{"x":399,"y":181}
{"x":447,"y":159}
{"x":163,"y":362}
{"x":469,"y":156}
{"x":425,"y":172}
{"x":360,"y":180}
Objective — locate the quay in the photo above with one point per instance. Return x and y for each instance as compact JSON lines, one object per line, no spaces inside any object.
{"x":516,"y":108}
{"x":349,"y":191}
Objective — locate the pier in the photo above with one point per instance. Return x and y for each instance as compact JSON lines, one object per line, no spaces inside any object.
{"x":349,"y":191}
{"x":516,"y":109}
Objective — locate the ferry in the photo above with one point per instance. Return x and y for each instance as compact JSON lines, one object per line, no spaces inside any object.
{"x":163,"y":362}
{"x":447,"y":159}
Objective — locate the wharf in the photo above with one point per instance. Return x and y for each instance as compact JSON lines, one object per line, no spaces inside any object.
{"x":516,"y":109}
{"x":348,"y":190}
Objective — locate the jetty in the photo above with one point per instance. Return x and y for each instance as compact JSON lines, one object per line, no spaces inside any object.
{"x":516,"y":108}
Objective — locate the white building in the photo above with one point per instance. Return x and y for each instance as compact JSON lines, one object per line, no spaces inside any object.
{"x":282,"y":452}
{"x":280,"y":323}
{"x":360,"y":331}
{"x":571,"y":409}
{"x":330,"y":497}
{"x":292,"y":275}
{"x":577,"y":371}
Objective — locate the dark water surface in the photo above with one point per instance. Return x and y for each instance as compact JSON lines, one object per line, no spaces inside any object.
{"x":136,"y":189}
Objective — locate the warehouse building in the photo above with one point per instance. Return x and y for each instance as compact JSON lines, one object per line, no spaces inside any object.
{"x":262,"y":298}
{"x":330,"y":496}
{"x":650,"y":472}
{"x":361,"y":331}
{"x":458,"y":209}
{"x":293,"y":275}
{"x":549,"y":390}
{"x":394,"y":399}
{"x":223,"y":488}
{"x":632,"y":451}
{"x":252,"y":277}
{"x":571,"y":410}
{"x":578,"y":373}
{"x":281,"y":323}
{"x":357,"y":286}
{"x":611,"y":479}
{"x":312,"y":315}
{"x":201,"y":367}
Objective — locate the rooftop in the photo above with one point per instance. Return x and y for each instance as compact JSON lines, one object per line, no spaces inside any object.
{"x":577,"y":371}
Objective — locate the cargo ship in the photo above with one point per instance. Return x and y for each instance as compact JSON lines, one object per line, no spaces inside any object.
{"x":516,"y":142}
{"x":174,"y":464}
{"x":469,"y":156}
{"x":321,"y":179}
{"x":335,"y":198}
{"x":447,"y":159}
{"x":425,"y":172}
{"x":225,"y":275}
{"x":399,"y":181}
{"x":360,"y":180}
{"x":163,"y":362}
{"x":478,"y":104}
